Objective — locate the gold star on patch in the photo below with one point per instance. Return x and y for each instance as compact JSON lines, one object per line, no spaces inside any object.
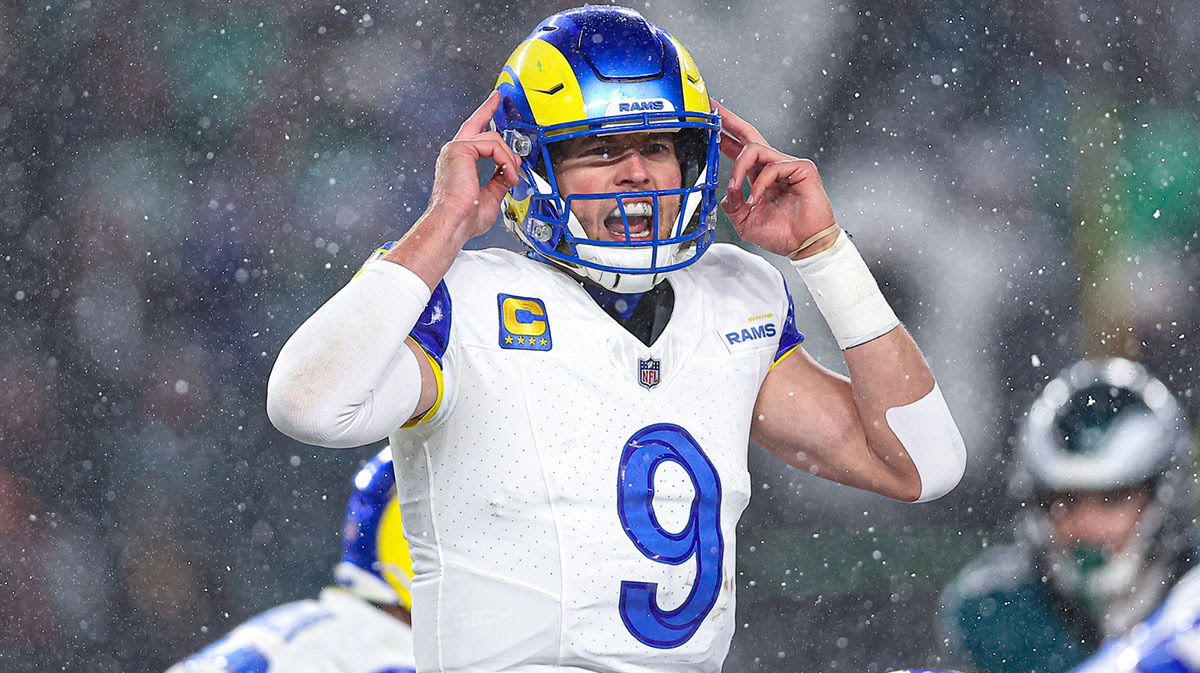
{"x":543,"y":342}
{"x":507,"y":339}
{"x":521,"y":340}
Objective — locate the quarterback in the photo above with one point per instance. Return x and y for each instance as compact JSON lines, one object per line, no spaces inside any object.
{"x":570,"y":425}
{"x":361,"y":625}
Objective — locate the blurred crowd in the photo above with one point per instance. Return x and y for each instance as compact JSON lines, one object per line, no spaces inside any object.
{"x":182,"y":183}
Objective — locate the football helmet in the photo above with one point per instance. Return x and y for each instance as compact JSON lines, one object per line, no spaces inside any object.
{"x":375,"y":562}
{"x":601,"y":70}
{"x":1108,"y":426}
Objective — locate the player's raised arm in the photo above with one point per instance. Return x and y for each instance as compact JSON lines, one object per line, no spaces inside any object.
{"x":886,"y":429}
{"x":350,"y":374}
{"x":459,"y":207}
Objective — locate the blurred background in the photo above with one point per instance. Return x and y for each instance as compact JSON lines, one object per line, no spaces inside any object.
{"x":181,"y":184}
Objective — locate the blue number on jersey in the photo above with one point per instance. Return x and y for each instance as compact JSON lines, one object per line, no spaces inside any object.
{"x":700,"y":538}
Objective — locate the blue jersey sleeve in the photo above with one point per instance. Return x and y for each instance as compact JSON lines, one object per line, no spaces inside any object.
{"x":790,"y":337}
{"x":432,"y":331}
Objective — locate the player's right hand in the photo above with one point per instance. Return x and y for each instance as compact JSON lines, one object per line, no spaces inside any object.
{"x":458,"y":200}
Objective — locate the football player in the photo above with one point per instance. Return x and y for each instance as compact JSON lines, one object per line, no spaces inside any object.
{"x":571,"y":424}
{"x":360,"y":625}
{"x":1104,"y":474}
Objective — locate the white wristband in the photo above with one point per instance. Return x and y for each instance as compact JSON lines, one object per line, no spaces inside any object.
{"x":846,"y":294}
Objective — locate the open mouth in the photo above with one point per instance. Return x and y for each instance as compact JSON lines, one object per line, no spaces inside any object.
{"x":639,"y":214}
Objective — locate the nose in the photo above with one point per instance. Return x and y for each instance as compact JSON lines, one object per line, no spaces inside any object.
{"x":1090,"y":519}
{"x":632,"y":170}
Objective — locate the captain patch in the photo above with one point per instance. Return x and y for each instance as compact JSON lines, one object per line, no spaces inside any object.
{"x":524,"y":324}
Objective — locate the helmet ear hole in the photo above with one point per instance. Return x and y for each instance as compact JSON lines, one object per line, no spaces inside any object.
{"x":690,"y":148}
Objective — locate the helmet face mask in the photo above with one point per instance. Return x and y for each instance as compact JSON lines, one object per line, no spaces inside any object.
{"x":598,"y":71}
{"x":1107,"y":430}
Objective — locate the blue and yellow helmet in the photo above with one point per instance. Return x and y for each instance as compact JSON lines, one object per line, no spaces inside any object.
{"x":600,"y":70}
{"x":375,"y":561}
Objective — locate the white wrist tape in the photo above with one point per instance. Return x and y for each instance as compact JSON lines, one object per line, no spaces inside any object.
{"x":928,"y":433}
{"x":846,"y":294}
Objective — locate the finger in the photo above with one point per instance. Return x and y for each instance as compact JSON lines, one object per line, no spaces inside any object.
{"x":478,"y":121}
{"x":748,"y":162}
{"x":510,"y":157}
{"x":772,"y":174}
{"x":804,"y":173}
{"x":805,"y":169}
{"x":730,"y":146}
{"x":739,"y":128}
{"x":496,"y":188}
{"x":486,"y":147}
{"x":505,"y":177}
{"x":734,"y":205}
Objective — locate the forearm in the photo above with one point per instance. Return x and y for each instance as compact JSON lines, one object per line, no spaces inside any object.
{"x":886,"y":373}
{"x":429,"y":247}
{"x":901,"y":411}
{"x":345,"y":377}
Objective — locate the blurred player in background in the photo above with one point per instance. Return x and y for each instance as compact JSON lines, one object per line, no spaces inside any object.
{"x":361,"y":625}
{"x":576,"y":419}
{"x":1104,"y":474}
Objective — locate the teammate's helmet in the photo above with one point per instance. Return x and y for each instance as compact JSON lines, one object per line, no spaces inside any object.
{"x":1102,"y":426}
{"x":601,"y":70}
{"x":375,"y":562}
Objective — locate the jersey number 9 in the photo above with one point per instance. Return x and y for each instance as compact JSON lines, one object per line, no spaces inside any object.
{"x":700,"y":538}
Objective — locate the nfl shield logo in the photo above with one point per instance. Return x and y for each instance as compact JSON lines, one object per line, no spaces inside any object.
{"x":649,"y":372}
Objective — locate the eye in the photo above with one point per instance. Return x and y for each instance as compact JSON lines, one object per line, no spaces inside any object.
{"x":658,"y":147}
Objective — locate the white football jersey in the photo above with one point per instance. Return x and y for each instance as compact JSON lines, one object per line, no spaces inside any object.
{"x":337,"y":633}
{"x":1168,"y":641}
{"x":571,"y":499}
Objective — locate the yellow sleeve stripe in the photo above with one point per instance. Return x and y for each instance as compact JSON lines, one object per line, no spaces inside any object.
{"x":783,"y":357}
{"x":379,"y":252}
{"x":441,"y":388}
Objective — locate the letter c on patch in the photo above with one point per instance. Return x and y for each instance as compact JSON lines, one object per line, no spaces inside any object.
{"x":524,"y":316}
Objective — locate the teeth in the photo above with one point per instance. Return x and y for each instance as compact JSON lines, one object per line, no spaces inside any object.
{"x":636,"y":209}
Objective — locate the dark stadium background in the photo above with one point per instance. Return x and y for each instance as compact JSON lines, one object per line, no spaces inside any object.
{"x":182,"y":183}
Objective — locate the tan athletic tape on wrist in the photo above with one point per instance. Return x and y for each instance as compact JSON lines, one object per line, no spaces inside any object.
{"x":808,"y":243}
{"x":846,"y":294}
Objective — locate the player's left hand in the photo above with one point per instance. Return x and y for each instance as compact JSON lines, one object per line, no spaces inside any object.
{"x":787,"y":203}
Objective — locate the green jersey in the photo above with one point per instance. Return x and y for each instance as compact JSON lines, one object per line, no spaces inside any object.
{"x":1000,"y":615}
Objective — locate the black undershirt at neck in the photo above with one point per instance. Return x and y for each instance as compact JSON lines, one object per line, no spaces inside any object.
{"x":650,"y":314}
